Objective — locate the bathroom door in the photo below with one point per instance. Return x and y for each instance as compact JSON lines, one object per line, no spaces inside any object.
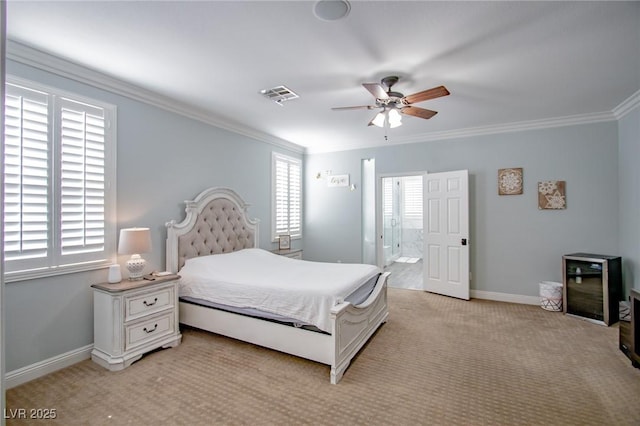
{"x":446,"y":230}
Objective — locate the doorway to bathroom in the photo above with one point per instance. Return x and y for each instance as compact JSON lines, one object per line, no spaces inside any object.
{"x":402,"y":230}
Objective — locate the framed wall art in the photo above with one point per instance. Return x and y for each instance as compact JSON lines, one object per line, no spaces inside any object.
{"x":337,"y":180}
{"x":551,"y":195}
{"x":510,"y":181}
{"x":284,"y":242}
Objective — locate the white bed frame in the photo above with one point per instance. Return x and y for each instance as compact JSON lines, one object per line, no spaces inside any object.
{"x":351,"y":326}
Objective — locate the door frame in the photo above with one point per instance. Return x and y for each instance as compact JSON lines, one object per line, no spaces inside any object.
{"x":379,"y":223}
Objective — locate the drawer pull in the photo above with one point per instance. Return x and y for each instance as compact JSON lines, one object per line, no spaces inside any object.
{"x":151,"y":330}
{"x":155,"y":300}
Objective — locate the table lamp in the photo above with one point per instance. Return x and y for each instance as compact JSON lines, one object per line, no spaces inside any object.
{"x":134,"y":241}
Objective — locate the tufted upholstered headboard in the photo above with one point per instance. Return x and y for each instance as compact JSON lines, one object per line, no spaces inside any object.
{"x":216,"y":222}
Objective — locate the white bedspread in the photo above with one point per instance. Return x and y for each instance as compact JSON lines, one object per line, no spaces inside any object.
{"x":256,"y":278}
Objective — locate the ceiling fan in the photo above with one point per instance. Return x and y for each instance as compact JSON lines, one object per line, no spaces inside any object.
{"x":394,"y":103}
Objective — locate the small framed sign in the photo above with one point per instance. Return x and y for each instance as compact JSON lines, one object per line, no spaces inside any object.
{"x":284,"y":242}
{"x":337,"y":180}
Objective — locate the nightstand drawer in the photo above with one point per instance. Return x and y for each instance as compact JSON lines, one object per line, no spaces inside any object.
{"x":292,"y":253}
{"x":143,"y":304}
{"x":143,"y":332}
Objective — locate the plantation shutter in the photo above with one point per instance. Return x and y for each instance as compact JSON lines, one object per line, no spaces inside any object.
{"x":412,"y":191}
{"x":387,"y":202}
{"x":26,"y":177}
{"x":82,"y":177}
{"x":295,"y":204}
{"x":59,"y":175}
{"x":281,"y":197}
{"x":287,"y":196}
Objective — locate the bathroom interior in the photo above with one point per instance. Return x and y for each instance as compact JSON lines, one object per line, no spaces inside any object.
{"x":402,"y":212}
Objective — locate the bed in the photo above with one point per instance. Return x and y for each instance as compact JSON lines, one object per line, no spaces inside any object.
{"x":217,"y":227}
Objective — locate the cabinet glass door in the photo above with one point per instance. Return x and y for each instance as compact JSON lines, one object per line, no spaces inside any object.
{"x":585,"y":295}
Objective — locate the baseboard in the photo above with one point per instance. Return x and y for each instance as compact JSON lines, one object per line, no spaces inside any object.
{"x":505,"y":297}
{"x":30,"y":372}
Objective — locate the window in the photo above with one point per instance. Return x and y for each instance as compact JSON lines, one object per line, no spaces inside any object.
{"x":412,"y":195}
{"x":59,"y":169}
{"x":287,"y":196}
{"x":410,"y":191}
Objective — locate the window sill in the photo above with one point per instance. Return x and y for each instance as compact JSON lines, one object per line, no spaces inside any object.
{"x":11,"y":277}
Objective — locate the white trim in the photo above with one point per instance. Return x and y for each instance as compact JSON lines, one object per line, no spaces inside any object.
{"x":627,"y":105}
{"x":505,"y":297}
{"x":519,"y":126}
{"x":31,"y":372}
{"x":32,"y":274}
{"x":45,"y":61}
{"x":3,"y":54}
{"x":37,"y":58}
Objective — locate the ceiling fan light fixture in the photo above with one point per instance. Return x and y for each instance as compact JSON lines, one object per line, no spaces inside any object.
{"x":394,"y":104}
{"x":395,"y":119}
{"x":379,"y":120}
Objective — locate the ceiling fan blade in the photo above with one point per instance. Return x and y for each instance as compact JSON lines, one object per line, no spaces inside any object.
{"x":376,"y":90}
{"x":436,"y":92}
{"x":354,"y":107}
{"x":418,"y":112}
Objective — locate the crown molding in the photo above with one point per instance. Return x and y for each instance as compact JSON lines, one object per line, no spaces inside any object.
{"x":30,"y":56}
{"x":627,"y":105}
{"x":45,"y":61}
{"x":519,"y":126}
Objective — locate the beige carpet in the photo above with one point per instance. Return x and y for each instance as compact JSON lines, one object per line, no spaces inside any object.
{"x":437,"y":361}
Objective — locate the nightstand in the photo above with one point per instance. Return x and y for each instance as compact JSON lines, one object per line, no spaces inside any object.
{"x":131,"y":318}
{"x":292,"y":253}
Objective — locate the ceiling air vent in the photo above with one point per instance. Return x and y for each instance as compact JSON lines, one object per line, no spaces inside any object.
{"x":279,"y":94}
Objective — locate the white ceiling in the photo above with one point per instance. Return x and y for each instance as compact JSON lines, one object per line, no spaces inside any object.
{"x":506,"y":64}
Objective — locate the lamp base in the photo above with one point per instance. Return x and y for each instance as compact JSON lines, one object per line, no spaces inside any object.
{"x":136,"y":266}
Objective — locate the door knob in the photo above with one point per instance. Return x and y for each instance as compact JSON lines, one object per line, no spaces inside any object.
{"x":463,"y":241}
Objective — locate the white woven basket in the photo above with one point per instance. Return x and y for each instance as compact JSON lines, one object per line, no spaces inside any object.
{"x":551,"y":296}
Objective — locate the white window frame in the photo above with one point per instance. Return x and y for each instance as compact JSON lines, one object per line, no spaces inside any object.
{"x":293,"y":206}
{"x":54,"y":262}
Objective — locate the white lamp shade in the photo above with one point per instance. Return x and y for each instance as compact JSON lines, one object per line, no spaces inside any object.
{"x":134,"y":241}
{"x":395,"y":119}
{"x":379,"y":120}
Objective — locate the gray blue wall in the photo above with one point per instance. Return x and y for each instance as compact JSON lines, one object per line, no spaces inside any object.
{"x":163,"y":159}
{"x":629,"y":179}
{"x":514,"y":245}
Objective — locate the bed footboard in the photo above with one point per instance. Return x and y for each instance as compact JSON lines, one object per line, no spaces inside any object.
{"x":353,"y":325}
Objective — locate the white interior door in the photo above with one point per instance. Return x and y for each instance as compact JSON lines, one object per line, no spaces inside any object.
{"x":446,"y":233}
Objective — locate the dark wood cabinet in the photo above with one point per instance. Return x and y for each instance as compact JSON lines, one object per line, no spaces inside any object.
{"x":592,"y":286}
{"x":630,"y":330}
{"x":634,"y":331}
